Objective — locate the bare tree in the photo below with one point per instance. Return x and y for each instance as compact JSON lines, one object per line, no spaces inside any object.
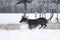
{"x":15,"y":8}
{"x":25,"y":4}
{"x":9,"y":5}
{"x":1,"y":4}
{"x":41,"y":7}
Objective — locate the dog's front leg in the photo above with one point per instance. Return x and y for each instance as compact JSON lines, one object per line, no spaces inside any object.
{"x":30,"y":27}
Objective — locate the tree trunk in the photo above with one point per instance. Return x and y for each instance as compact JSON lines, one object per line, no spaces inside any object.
{"x":57,"y":12}
{"x":35,"y":14}
{"x":51,"y":10}
{"x":40,"y":15}
{"x":43,"y":8}
{"x":15,"y":9}
{"x":25,"y":9}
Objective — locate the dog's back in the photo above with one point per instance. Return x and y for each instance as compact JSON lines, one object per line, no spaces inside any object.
{"x":42,"y":21}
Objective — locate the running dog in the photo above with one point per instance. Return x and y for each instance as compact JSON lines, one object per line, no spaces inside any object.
{"x":33,"y":23}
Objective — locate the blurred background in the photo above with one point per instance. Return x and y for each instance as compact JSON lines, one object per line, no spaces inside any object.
{"x":45,"y":6}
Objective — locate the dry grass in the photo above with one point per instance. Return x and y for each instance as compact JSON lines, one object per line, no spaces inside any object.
{"x":10,"y":26}
{"x":53,"y":26}
{"x":17,"y":26}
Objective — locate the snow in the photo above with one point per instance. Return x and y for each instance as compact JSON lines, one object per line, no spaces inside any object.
{"x":15,"y":18}
{"x":24,"y":33}
{"x":42,"y":34}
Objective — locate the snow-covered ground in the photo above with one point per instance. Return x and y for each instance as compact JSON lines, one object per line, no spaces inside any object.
{"x":11,"y":21}
{"x":24,"y":33}
{"x":42,"y":34}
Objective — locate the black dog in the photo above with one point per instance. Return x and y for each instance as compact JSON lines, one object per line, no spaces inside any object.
{"x":33,"y":23}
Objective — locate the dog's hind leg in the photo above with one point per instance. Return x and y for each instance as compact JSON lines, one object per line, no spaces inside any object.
{"x":44,"y":26}
{"x":41,"y":27}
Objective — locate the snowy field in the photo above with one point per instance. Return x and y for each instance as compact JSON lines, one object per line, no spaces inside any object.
{"x":23,"y":33}
{"x":15,"y":18}
{"x":11,"y":21}
{"x":42,"y":34}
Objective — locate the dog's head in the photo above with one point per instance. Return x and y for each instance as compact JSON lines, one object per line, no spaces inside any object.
{"x":24,"y":19}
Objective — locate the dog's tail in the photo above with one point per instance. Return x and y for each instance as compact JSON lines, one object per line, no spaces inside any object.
{"x":51,"y":16}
